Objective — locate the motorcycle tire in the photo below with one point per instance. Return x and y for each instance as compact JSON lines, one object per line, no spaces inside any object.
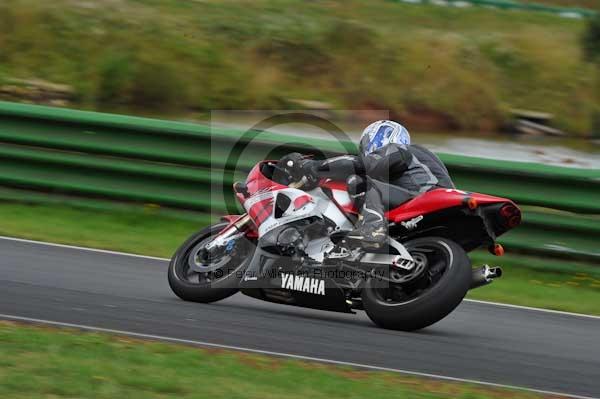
{"x":216,"y":289}
{"x":434,"y":304}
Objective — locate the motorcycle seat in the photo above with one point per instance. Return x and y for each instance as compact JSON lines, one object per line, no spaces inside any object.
{"x":393,"y":196}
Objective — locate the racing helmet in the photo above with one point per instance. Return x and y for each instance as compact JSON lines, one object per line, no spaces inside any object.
{"x":381,"y":133}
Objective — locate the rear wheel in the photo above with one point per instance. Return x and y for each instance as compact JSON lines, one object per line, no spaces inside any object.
{"x":440,"y":281}
{"x":195,"y":277}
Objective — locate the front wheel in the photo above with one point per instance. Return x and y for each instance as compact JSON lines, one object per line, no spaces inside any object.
{"x":441,"y":281}
{"x":194,"y":278}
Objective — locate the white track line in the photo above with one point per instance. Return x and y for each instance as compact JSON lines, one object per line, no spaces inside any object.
{"x":559,"y":312}
{"x":104,"y":251}
{"x":280,"y":354}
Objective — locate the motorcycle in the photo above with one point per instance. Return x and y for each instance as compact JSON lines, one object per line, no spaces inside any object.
{"x":289,"y":248}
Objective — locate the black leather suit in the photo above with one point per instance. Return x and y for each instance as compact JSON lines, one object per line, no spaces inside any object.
{"x":378,"y":181}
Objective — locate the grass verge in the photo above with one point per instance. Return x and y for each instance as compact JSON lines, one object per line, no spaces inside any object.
{"x":552,"y":284}
{"x":145,"y":231}
{"x":45,"y":362}
{"x":543,"y":283}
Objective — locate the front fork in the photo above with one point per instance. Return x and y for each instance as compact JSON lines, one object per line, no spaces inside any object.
{"x":233,"y":231}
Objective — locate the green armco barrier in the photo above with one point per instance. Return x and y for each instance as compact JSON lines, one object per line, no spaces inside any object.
{"x":119,"y":179}
{"x":557,"y":235}
{"x":511,"y":5}
{"x":569,"y":189}
{"x":191,"y":166}
{"x":143,"y":138}
{"x":195,"y":145}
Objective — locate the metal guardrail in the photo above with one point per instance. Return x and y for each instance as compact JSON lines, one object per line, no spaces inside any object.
{"x":567,"y":12}
{"x":174,"y":164}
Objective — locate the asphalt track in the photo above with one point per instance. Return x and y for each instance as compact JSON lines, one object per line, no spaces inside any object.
{"x":483,"y":342}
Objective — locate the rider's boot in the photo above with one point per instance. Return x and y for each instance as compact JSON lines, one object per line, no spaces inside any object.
{"x":367,"y":235}
{"x":372,"y":226}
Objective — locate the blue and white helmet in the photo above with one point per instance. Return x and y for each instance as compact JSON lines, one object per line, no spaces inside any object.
{"x":381,"y":133}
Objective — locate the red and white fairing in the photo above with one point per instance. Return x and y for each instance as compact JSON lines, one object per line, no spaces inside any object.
{"x":341,"y":197}
{"x":303,"y":204}
{"x":313,"y":203}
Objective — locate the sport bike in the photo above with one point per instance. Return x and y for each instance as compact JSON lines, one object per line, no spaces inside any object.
{"x":289,"y":248}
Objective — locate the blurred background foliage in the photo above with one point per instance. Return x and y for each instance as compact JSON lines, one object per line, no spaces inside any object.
{"x":436,"y":67}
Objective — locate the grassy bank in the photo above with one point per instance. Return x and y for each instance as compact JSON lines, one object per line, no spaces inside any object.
{"x":36,"y":362}
{"x":552,"y":284}
{"x":434,"y":67}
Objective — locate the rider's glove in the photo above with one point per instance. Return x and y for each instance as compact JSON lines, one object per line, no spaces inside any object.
{"x":309,"y":171}
{"x":299,"y":167}
{"x":292,"y":163}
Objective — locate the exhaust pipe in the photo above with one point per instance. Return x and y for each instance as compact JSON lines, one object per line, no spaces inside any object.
{"x":484,"y":275}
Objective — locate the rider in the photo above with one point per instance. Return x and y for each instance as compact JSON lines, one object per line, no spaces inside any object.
{"x":387,"y":169}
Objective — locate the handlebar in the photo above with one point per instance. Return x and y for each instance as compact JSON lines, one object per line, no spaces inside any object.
{"x":294,"y":184}
{"x":282,"y":170}
{"x":298,"y":184}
